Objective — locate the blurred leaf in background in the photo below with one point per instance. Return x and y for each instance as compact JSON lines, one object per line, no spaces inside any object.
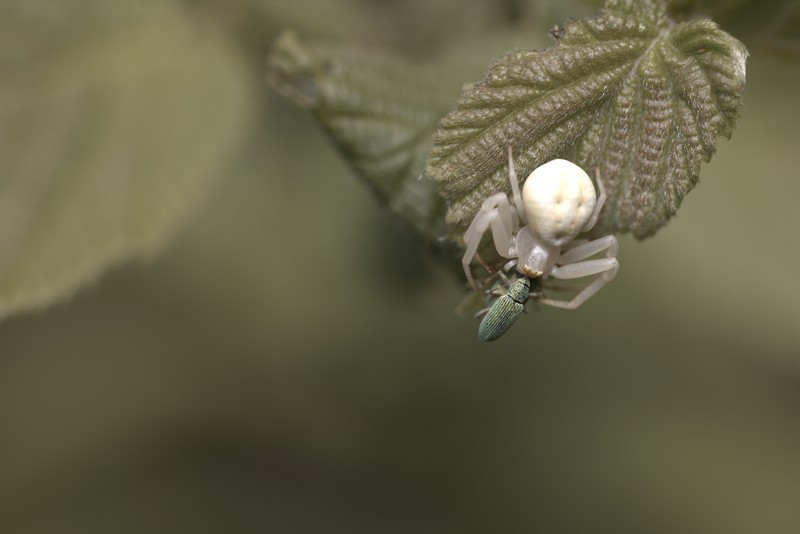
{"x":261,"y":375}
{"x":116,"y":119}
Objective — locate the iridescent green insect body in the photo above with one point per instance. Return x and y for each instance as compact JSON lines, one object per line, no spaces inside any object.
{"x":504,"y":310}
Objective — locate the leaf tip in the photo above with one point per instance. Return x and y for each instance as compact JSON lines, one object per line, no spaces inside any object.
{"x":291,"y":70}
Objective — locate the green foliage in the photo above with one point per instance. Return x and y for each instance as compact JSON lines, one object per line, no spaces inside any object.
{"x":266,"y":374}
{"x":116,"y":119}
{"x":628,"y":93}
{"x":380,"y":110}
{"x":119,"y":116}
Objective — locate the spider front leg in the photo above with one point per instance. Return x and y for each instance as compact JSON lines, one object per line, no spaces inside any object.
{"x":570,"y":266}
{"x":601,"y":199}
{"x":517,"y":196}
{"x":495,"y":213}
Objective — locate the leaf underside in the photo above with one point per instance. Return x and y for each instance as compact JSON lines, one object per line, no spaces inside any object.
{"x":628,"y":94}
{"x":380,"y":111}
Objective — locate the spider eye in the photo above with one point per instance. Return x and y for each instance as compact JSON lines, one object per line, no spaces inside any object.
{"x":530,"y":273}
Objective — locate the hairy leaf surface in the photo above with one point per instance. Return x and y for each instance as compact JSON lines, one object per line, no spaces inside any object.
{"x":629,"y":94}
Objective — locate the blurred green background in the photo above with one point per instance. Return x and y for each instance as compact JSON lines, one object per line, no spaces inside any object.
{"x":291,"y":362}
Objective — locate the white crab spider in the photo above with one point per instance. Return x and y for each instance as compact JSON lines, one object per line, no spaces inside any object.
{"x":557,"y":203}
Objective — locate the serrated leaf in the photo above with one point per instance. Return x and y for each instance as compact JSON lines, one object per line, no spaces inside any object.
{"x":380,"y":111}
{"x":629,"y":93}
{"x":115,"y":120}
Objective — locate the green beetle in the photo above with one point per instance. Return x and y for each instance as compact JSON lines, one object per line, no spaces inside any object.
{"x":504,"y":310}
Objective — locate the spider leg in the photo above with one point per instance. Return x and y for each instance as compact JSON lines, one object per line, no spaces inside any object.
{"x":494,"y":291}
{"x":606,"y":268}
{"x":589,"y":249}
{"x":570,"y":266}
{"x":510,"y":265}
{"x":601,"y":199}
{"x":517,"y":196}
{"x":497,"y":202}
{"x":481,"y":313}
{"x":483,"y":264}
{"x":573,"y":244}
{"x":495,"y":213}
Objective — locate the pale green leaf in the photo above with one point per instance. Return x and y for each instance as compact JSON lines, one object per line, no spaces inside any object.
{"x":628,"y":93}
{"x":115,"y":120}
{"x":380,"y":111}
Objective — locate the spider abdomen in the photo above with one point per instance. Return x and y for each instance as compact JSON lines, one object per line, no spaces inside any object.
{"x":558,"y":198}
